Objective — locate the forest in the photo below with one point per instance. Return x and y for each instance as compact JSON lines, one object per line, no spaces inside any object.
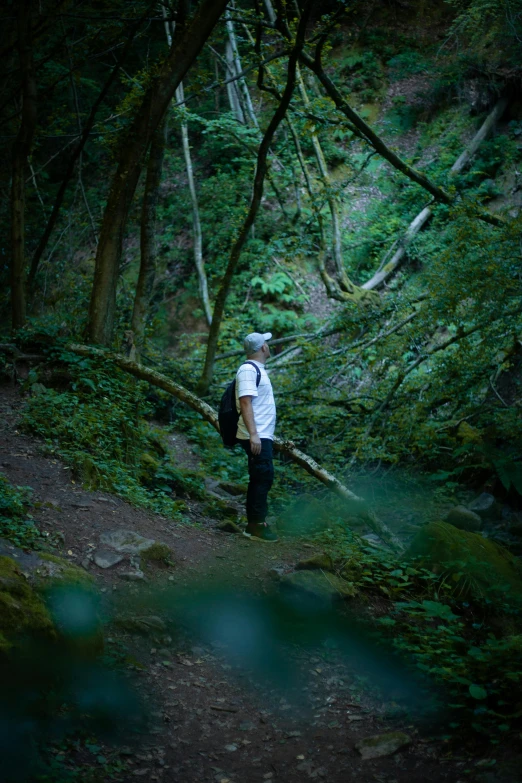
{"x":347,"y":177}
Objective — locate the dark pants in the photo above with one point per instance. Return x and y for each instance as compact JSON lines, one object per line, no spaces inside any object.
{"x":261,"y":473}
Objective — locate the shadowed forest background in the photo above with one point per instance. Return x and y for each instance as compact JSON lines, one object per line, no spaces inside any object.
{"x":347,"y":176}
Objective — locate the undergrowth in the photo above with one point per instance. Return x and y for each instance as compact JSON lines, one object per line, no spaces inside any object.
{"x":15,"y":523}
{"x":472,"y":648}
{"x":97,"y":425}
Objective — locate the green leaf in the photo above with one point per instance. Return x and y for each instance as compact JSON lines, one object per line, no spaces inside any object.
{"x":477,"y":692}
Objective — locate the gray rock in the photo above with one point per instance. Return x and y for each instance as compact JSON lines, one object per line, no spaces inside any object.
{"x":126,"y":541}
{"x":382,"y":744}
{"x":133,"y":576}
{"x":373,"y":540}
{"x":26,"y":560}
{"x":82,"y":504}
{"x":485,"y":506}
{"x":318,"y":586}
{"x":464,"y":519}
{"x":105,"y":558}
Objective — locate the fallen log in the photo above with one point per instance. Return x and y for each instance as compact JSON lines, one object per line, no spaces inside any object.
{"x":285,"y":447}
{"x":422,"y":218}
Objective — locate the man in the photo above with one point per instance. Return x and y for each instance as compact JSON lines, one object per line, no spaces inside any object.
{"x":255,"y":432}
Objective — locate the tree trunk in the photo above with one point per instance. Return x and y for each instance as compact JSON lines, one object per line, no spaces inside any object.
{"x":257,"y":193}
{"x":236,"y":62}
{"x":283,"y":446}
{"x":387,"y":269}
{"x":333,"y":204}
{"x":182,"y":54}
{"x":21,"y":151}
{"x":148,"y":247}
{"x":196,"y":223}
{"x":232,"y":87}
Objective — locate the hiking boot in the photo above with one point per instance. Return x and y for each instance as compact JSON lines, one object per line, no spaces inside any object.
{"x":260,"y":532}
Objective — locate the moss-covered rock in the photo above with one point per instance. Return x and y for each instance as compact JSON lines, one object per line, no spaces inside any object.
{"x":22,"y":610}
{"x":319,"y":587}
{"x":475,"y":565}
{"x":157,"y":553}
{"x":55,"y":571}
{"x":232,"y":488}
{"x":322,"y":562}
{"x":69,"y":595}
{"x":464,"y":519}
{"x":220,"y":509}
{"x":149,"y":464}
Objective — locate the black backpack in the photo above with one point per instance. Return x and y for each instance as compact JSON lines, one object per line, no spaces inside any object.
{"x":228,"y":416}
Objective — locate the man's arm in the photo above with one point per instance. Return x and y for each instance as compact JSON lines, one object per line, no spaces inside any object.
{"x":247,"y":412}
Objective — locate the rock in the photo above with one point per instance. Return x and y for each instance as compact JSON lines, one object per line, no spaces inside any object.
{"x":228,"y":527}
{"x":318,"y":587}
{"x":373,"y":540}
{"x":157,"y":553}
{"x":382,"y":744}
{"x":321,"y":562}
{"x":126,"y":541}
{"x":478,"y":566}
{"x":233,"y":489}
{"x":133,"y":576}
{"x":218,"y":508}
{"x":26,"y":560}
{"x":68,"y":616}
{"x":105,"y":558}
{"x":82,"y":504}
{"x":276,"y":573}
{"x":464,"y":519}
{"x":55,"y":572}
{"x":145,"y":625}
{"x":485,"y":506}
{"x":22,"y":611}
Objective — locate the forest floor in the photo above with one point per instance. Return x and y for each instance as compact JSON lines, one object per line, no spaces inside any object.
{"x":209,"y":719}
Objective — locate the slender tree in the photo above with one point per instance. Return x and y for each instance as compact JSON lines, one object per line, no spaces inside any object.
{"x":187,"y":44}
{"x":148,"y":245}
{"x":257,"y":193}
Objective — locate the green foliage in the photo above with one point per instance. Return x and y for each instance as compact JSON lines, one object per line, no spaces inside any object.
{"x":462,"y":645}
{"x":97,"y":426}
{"x":15,"y":523}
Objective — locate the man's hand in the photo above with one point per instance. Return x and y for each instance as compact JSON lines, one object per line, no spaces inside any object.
{"x":247,"y":412}
{"x":255,"y":444}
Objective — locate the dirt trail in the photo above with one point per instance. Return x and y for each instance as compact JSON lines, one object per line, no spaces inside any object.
{"x":210,"y":721}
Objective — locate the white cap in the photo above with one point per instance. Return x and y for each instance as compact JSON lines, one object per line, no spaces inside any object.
{"x":254,"y":341}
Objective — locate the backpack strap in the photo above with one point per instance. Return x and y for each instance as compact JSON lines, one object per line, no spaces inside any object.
{"x":258,"y":371}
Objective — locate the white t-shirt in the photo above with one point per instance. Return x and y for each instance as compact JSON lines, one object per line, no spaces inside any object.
{"x":263,"y":403}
